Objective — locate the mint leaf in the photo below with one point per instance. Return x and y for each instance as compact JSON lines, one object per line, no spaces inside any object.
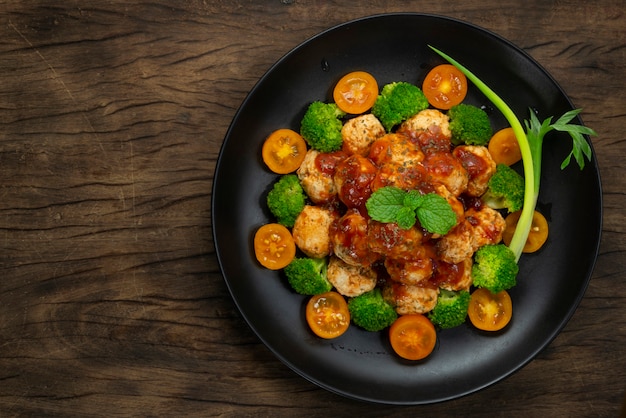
{"x":385,"y":203}
{"x":435,"y":214}
{"x":413,"y":199}
{"x":392,"y":204}
{"x":406,"y":217}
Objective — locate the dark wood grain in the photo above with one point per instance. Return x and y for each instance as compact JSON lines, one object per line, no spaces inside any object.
{"x":112,"y":115}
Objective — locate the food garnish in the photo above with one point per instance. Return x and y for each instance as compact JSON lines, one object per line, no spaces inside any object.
{"x":392,"y":204}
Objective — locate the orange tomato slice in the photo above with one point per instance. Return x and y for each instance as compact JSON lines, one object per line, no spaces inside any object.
{"x":504,"y":148}
{"x":327,"y":315}
{"x":283,"y":151}
{"x":356,"y":92}
{"x":445,"y":86}
{"x":274,"y":246}
{"x":413,"y":336}
{"x":488,"y":311}
{"x":537,"y":236}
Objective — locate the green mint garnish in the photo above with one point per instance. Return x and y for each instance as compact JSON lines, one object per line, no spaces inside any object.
{"x":392,"y":204}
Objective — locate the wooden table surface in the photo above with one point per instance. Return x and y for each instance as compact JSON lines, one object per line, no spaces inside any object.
{"x":112,"y":115}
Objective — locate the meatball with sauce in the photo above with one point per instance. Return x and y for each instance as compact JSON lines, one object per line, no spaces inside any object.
{"x":409,"y":272}
{"x":479,"y":165}
{"x":444,"y":169}
{"x":359,"y":133}
{"x":316,"y":175}
{"x":480,"y":227}
{"x":395,"y":148}
{"x":487,"y":224}
{"x":453,"y":277}
{"x":353,"y":177}
{"x":456,"y":245}
{"x":349,"y":239}
{"x":430,"y":129}
{"x":410,"y":299}
{"x":350,"y":280}
{"x":311,"y":230}
{"x":404,"y":176}
{"x":389,"y":240}
{"x":431,"y":120}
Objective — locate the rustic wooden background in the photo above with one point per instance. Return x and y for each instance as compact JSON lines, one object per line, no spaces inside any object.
{"x":112,"y":114}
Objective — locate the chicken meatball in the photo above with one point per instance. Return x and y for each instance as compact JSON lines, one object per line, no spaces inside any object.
{"x":444,"y":169}
{"x":350,"y":280}
{"x":349,"y":242}
{"x":410,"y":299}
{"x":404,"y":176}
{"x":395,"y":148}
{"x":311,"y":231}
{"x":316,"y":175}
{"x":353,"y":178}
{"x":428,"y":120}
{"x":389,"y":240}
{"x":487,"y":224}
{"x":453,"y":277}
{"x":480,"y":227}
{"x":457,"y":244}
{"x":479,"y":165}
{"x":410,"y":272}
{"x":359,"y":133}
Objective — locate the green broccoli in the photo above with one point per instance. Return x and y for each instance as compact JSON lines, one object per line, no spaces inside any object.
{"x":307,"y":276}
{"x":321,"y":126}
{"x":505,"y":189}
{"x":469,"y":125}
{"x":286,"y":199}
{"x":495,"y":268}
{"x":451,"y":309}
{"x":397,"y":102}
{"x":371,"y":312}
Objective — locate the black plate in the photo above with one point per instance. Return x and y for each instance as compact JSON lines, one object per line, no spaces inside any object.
{"x":360,"y":364}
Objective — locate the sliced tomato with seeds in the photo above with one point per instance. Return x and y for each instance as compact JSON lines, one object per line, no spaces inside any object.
{"x":274,"y":246}
{"x":356,"y":92}
{"x":412,"y":336}
{"x":504,"y":148}
{"x":327,"y":315}
{"x":445,"y":86}
{"x":283,"y":151}
{"x":490,"y":311}
{"x":537,"y":236}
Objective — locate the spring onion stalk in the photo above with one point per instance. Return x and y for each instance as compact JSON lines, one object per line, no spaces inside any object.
{"x":531,"y":170}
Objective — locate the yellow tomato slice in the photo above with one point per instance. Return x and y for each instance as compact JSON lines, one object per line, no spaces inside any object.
{"x":356,"y":92}
{"x":327,"y":314}
{"x":274,"y":246}
{"x":488,"y":311}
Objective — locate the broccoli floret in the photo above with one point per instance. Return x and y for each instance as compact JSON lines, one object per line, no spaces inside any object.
{"x":494,"y":268}
{"x":371,"y":312}
{"x":505,"y":189}
{"x":307,"y":276}
{"x":286,"y":199}
{"x":451,"y":308}
{"x":397,"y":102}
{"x":321,"y":126}
{"x":469,"y":125}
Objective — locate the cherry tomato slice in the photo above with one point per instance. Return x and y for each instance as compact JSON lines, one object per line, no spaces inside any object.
{"x":537,"y":236}
{"x":327,"y":315}
{"x":412,"y":336}
{"x":283,"y":151}
{"x":488,"y":311}
{"x":274,"y":246}
{"x":445,"y":86}
{"x":356,"y":92}
{"x":504,"y":148}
